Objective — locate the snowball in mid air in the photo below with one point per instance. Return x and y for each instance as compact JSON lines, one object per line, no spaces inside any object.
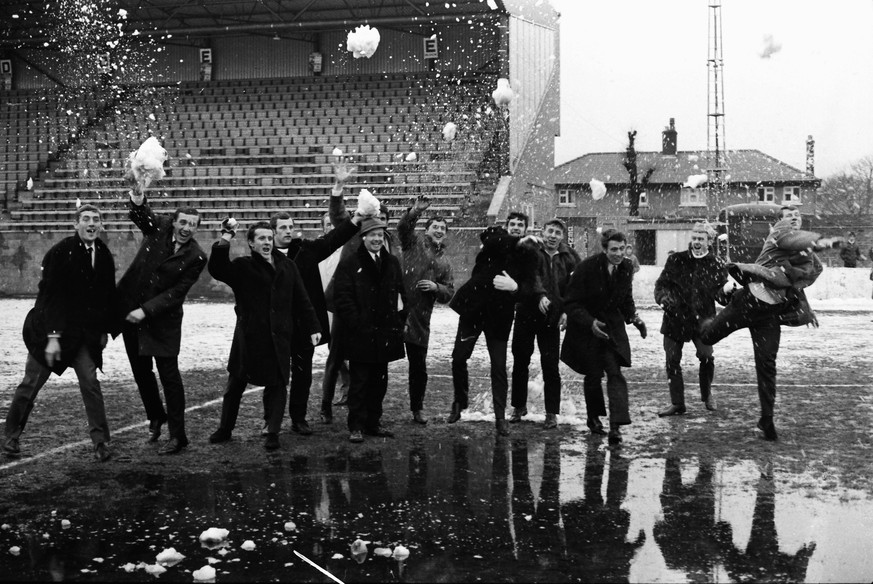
{"x":363,"y":41}
{"x":598,"y":189}
{"x":449,"y":131}
{"x":503,"y":94}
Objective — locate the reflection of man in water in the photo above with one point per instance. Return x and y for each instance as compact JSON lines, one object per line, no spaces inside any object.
{"x":538,"y":532}
{"x":596,"y":530}
{"x":686,"y":532}
{"x":762,"y":558}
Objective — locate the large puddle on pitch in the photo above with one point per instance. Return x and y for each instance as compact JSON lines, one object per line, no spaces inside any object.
{"x":498,"y":510}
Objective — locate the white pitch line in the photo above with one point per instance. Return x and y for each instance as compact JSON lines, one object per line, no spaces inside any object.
{"x":317,"y":567}
{"x":136,"y":426}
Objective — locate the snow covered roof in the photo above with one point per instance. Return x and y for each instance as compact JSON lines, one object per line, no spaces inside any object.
{"x":744,"y":166}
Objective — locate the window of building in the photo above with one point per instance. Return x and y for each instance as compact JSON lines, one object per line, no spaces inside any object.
{"x":766,"y":194}
{"x":692,"y":197}
{"x":644,"y":198}
{"x":791,"y":195}
{"x":566,"y":198}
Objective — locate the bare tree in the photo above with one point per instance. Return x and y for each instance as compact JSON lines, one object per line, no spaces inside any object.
{"x":849,"y":192}
{"x":637,"y":184}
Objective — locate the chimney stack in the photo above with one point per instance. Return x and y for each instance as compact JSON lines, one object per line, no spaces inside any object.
{"x":810,"y":155}
{"x":668,"y":139}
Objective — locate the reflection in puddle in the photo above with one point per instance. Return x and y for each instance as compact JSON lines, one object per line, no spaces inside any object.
{"x":518,"y":509}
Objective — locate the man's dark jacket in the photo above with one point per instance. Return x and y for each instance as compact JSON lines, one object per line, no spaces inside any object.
{"x":270,"y":300}
{"x":366,"y":299}
{"x":158,"y":280}
{"x":74,"y":300}
{"x":591,"y":295}
{"x":687,"y":290}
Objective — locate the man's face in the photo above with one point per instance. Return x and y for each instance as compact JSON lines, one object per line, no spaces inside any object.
{"x":284,"y":232}
{"x":628,"y":251}
{"x":614,"y":251}
{"x":852,"y":238}
{"x":326,"y":225}
{"x":516,"y":227}
{"x":373,"y":240}
{"x":88,"y":226}
{"x":436,"y":231}
{"x":552,"y":237}
{"x":262,"y":242}
{"x":185,"y":226}
{"x":794,"y":216}
{"x":700,"y":242}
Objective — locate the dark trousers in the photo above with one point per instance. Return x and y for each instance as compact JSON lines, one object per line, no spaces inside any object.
{"x":35,"y":376}
{"x":673,"y":351}
{"x":548,"y":337}
{"x":335,"y":367}
{"x":469,"y":330}
{"x":274,"y":404}
{"x":762,"y":320}
{"x":367,"y":388}
{"x":301,"y":381}
{"x":616,"y":388}
{"x":417,"y":356}
{"x":171,"y":379}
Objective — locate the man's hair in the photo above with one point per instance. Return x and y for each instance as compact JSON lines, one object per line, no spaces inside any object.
{"x":784,"y":208}
{"x":436,"y":219}
{"x":87,"y":207}
{"x":385,"y":210}
{"x":611,"y":235}
{"x":250,"y":234}
{"x":557,"y":223}
{"x":518,"y":215}
{"x":851,"y":234}
{"x":281,"y":216}
{"x":187,"y":211}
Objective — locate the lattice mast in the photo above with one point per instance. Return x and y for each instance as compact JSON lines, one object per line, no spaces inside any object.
{"x":717,"y":162}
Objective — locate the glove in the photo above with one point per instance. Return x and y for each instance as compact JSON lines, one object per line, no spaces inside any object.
{"x":229,"y":225}
{"x":641,"y":326}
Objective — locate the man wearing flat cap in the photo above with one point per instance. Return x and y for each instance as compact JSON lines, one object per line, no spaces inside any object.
{"x":369,"y":298}
{"x":687,"y":290}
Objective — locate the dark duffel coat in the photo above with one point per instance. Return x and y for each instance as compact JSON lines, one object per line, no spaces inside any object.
{"x":477,"y":298}
{"x":687,"y":290}
{"x":74,"y":300}
{"x":590,"y":296}
{"x":269,"y":300}
{"x":366,"y":300}
{"x":158,"y":280}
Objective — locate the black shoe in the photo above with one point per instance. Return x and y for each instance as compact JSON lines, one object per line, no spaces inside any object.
{"x":710,"y":403}
{"x":173,"y":446}
{"x":155,"y":430}
{"x":419,"y":418}
{"x":671,"y":410}
{"x":356,"y":436}
{"x":765,"y":424}
{"x":380,"y":432}
{"x":455,"y":415}
{"x":101,"y":452}
{"x":301,"y":428}
{"x":596,"y":426}
{"x":517,"y":415}
{"x":271,"y":442}
{"x":551,"y":422}
{"x":614,"y":435}
{"x":326,"y":418}
{"x":11,"y":446}
{"x":219,"y":436}
{"x":502,"y":427}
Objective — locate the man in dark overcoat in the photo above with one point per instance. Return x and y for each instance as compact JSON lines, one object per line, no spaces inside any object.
{"x":427,"y":277}
{"x":503,"y":272}
{"x":306,"y":255}
{"x":370,"y":299}
{"x":151,"y":294}
{"x":270,"y":301}
{"x":68,"y":327}
{"x":598,"y":304}
{"x":687,"y":289}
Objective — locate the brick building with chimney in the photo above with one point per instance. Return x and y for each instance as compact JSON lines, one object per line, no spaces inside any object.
{"x":674,"y":197}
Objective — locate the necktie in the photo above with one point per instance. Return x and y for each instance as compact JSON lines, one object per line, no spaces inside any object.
{"x":379,"y":262}
{"x":90,"y":249}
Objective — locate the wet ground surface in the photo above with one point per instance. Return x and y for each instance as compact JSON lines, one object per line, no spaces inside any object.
{"x":693,"y":498}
